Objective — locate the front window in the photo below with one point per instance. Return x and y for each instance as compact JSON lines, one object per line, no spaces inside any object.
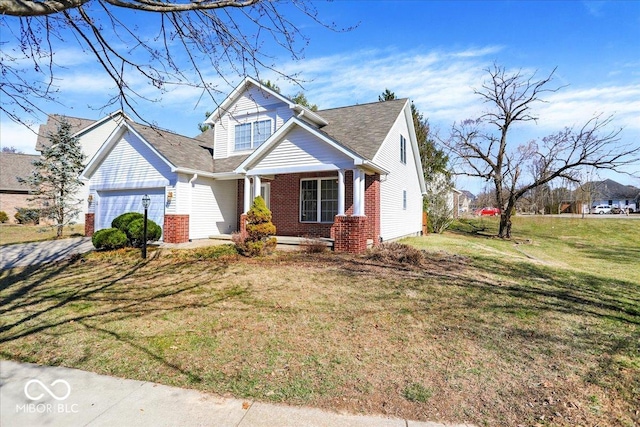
{"x":252,"y":135}
{"x":318,"y":200}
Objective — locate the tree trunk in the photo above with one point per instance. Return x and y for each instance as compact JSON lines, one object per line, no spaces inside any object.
{"x":505,"y":225}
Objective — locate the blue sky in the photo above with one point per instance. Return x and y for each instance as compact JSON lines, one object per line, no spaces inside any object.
{"x":433,"y":52}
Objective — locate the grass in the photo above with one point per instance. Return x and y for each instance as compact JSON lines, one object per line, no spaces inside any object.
{"x":478,"y":332}
{"x":13,"y":233}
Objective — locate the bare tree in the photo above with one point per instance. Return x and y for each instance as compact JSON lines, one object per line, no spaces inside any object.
{"x":190,"y":44}
{"x":484,"y":149}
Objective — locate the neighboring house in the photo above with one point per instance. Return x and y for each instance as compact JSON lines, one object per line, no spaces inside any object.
{"x":91,"y":135}
{"x":466,"y":202}
{"x":352,"y":174}
{"x":606,"y":192}
{"x":13,"y":194}
{"x":454,"y":202}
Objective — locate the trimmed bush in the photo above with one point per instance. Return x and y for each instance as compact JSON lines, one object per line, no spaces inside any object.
{"x":109,"y":238}
{"x":259,"y":229}
{"x":27,"y":216}
{"x":135,"y":231}
{"x":122,"y":222}
{"x":3,"y":217}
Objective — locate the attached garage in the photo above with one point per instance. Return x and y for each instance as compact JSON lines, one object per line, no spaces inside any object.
{"x":110,"y":204}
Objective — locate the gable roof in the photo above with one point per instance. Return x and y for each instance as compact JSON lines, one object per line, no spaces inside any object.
{"x":276,"y":139}
{"x":610,"y":189}
{"x":362,"y":128}
{"x":12,"y":166}
{"x":243,"y":86}
{"x":78,"y":126}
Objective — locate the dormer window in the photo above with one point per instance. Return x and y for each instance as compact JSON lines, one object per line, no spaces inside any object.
{"x":251,"y":135}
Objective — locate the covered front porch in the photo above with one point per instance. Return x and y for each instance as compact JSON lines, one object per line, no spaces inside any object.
{"x":340,"y":206}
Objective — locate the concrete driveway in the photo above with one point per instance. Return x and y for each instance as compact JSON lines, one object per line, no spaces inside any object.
{"x":28,"y":254}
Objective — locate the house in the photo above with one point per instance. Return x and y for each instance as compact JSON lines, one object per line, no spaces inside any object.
{"x":13,"y":194}
{"x":466,"y":202}
{"x":606,"y":192}
{"x":352,"y":174}
{"x":91,"y":135}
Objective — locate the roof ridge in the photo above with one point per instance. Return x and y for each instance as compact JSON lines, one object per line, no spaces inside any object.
{"x":363,"y":105}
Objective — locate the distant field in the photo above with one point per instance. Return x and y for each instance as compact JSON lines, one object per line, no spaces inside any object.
{"x":541,"y":330}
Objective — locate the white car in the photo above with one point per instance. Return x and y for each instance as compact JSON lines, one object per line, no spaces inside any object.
{"x":601,"y":209}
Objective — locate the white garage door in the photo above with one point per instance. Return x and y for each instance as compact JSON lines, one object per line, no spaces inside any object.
{"x":114,"y":203}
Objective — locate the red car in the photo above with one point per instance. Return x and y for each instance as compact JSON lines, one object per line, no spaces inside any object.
{"x":488,"y":212}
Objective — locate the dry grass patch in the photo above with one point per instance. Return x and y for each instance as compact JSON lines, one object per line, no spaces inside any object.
{"x":18,"y":233}
{"x":454,"y":339}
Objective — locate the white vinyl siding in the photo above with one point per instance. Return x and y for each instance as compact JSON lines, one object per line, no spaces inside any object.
{"x":131,"y":164}
{"x":300,"y":148}
{"x":253,"y":106}
{"x":395,"y":220}
{"x":213,"y":208}
{"x":318,"y":200}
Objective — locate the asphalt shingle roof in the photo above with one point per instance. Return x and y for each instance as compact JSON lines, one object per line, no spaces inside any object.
{"x":362,"y":128}
{"x":13,"y":166}
{"x":181,"y":151}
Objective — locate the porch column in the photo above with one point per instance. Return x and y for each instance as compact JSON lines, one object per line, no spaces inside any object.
{"x":341,"y":192}
{"x":256,"y":187}
{"x":358,"y":193}
{"x":363,"y":179}
{"x":247,"y":194}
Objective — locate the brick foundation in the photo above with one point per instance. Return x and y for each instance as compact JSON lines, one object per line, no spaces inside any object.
{"x":89,"y":224}
{"x":176,"y":228}
{"x":350,"y":234}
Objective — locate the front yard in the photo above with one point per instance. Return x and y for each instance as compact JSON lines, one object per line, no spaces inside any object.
{"x":483,"y":331}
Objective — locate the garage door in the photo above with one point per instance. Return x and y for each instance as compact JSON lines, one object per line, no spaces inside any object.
{"x":114,"y":203}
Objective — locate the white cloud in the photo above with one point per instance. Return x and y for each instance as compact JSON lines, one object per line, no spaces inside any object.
{"x":19,"y":136}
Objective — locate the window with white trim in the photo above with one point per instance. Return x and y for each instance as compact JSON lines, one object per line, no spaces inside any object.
{"x":403,"y":149}
{"x":318,"y":199}
{"x":251,"y":135}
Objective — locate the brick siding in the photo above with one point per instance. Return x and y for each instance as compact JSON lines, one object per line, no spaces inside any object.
{"x":285,"y":208}
{"x":89,"y":224}
{"x":176,"y":228}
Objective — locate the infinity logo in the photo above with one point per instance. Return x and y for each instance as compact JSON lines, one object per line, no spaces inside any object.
{"x":52,"y":394}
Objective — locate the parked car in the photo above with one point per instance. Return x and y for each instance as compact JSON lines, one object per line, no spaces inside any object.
{"x":488,"y":211}
{"x":601,"y":209}
{"x":617,"y":210}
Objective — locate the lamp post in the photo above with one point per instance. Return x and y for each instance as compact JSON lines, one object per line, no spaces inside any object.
{"x":146,"y":201}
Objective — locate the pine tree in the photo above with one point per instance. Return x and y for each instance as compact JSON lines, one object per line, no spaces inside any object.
{"x":55,"y":179}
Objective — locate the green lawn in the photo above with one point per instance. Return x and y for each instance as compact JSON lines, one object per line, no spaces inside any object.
{"x":545,"y":331}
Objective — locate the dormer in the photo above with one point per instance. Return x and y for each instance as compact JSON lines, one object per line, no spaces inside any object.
{"x":250,"y":115}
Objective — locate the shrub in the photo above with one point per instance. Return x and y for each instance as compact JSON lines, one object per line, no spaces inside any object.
{"x":109,"y":238}
{"x":122,"y":222}
{"x":312,"y":245}
{"x":3,"y":217}
{"x":396,"y":252}
{"x":257,"y":240}
{"x":135,"y":231}
{"x":27,"y":216}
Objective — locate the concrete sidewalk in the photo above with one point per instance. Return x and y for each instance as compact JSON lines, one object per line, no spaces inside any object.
{"x":32,"y":395}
